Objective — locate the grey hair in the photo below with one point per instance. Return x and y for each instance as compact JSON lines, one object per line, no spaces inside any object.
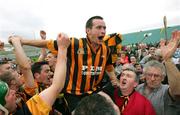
{"x":129,"y":67}
{"x":155,"y":64}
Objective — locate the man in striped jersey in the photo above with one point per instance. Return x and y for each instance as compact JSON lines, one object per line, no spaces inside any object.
{"x":88,"y":59}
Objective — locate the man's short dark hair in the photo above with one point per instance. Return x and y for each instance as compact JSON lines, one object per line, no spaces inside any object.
{"x":50,"y":52}
{"x":94,"y":105}
{"x":89,"y":23}
{"x":137,"y":64}
{"x":37,"y":66}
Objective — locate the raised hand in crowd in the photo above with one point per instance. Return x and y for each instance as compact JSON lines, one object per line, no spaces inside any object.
{"x":43,"y":50}
{"x":22,"y":61}
{"x":168,"y":50}
{"x":50,"y":94}
{"x":43,"y":34}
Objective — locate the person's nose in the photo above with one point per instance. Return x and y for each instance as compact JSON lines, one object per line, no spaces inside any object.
{"x":103,"y":31}
{"x":152,"y":78}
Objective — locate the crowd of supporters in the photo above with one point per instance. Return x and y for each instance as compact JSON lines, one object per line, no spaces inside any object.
{"x":72,"y":77}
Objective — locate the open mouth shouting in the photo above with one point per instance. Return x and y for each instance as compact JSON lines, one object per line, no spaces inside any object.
{"x":124,"y":82}
{"x":100,"y":38}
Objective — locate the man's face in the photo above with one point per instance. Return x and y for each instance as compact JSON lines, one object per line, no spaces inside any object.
{"x":133,"y":60}
{"x":153,"y":77}
{"x":151,"y":50}
{"x":51,"y":59}
{"x":45,"y":74}
{"x":11,"y":101}
{"x":138,"y":67}
{"x":128,"y":81}
{"x":97,"y":32}
{"x":16,"y":82}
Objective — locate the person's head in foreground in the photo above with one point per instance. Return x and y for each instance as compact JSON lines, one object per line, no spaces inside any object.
{"x":95,"y":104}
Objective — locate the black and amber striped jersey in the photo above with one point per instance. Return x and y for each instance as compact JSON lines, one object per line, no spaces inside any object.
{"x":113,"y":41}
{"x":85,"y":67}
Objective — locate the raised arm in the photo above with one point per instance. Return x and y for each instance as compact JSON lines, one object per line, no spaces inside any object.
{"x":49,"y":95}
{"x":172,"y":72}
{"x":33,"y":42}
{"x":173,"y":78}
{"x":22,"y":60}
{"x":43,"y":50}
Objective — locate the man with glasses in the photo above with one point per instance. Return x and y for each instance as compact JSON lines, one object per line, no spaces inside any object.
{"x":164,"y":98}
{"x":161,"y":96}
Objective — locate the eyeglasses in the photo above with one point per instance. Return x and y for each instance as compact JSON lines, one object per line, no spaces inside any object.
{"x":151,"y":74}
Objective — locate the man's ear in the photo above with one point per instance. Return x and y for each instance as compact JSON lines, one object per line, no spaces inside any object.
{"x":87,"y":30}
{"x":36,"y":75}
{"x":135,"y":84}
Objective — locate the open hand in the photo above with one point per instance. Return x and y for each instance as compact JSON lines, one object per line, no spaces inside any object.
{"x":168,"y":50}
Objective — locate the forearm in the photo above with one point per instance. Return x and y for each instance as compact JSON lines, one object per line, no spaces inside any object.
{"x":60,"y":69}
{"x":173,"y":78}
{"x":36,"y":43}
{"x":112,"y":77}
{"x":21,"y":57}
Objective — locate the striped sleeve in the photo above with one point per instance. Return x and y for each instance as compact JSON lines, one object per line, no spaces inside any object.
{"x":50,"y":46}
